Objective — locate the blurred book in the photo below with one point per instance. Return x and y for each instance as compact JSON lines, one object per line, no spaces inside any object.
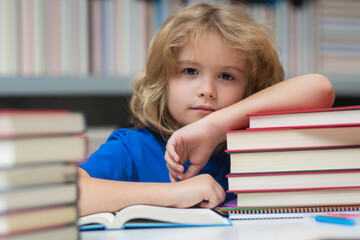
{"x":54,"y":148}
{"x":38,"y":196}
{"x":38,"y":219}
{"x":37,"y":174}
{"x":39,"y":152}
{"x":15,"y":122}
{"x":68,"y":232}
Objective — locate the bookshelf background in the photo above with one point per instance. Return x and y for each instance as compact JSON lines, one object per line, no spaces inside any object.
{"x":85,"y":54}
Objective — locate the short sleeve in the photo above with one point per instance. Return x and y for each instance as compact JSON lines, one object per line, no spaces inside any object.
{"x":113,"y":160}
{"x":130,"y":155}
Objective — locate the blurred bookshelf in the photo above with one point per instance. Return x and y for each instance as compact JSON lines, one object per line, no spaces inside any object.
{"x":66,"y":85}
{"x":56,"y":53}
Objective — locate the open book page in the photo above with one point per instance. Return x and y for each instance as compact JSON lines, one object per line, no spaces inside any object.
{"x":104,"y":219}
{"x":160,"y":216}
{"x":191,"y":216}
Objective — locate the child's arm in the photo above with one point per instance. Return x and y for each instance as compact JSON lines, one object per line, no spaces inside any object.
{"x":99,"y":195}
{"x":198,"y":140}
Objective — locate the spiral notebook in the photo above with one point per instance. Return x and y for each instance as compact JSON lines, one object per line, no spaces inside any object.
{"x":236,"y":213}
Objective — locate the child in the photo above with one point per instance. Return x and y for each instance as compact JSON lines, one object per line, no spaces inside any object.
{"x":208,"y":67}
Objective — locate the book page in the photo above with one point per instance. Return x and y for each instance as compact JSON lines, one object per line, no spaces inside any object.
{"x":105,"y":219}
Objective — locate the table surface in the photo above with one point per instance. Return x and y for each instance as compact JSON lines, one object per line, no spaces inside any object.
{"x":301,"y":229}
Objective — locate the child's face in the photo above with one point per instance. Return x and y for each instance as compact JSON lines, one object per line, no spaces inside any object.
{"x":211,"y":76}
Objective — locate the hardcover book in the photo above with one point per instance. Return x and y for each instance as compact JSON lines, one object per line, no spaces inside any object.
{"x":15,"y":122}
{"x":293,"y":137}
{"x":324,"y":116}
{"x":28,"y":221}
{"x":18,"y":151}
{"x":305,"y":159}
{"x":287,"y":181}
{"x":296,"y":198}
{"x":37,"y":174}
{"x":23,"y":198}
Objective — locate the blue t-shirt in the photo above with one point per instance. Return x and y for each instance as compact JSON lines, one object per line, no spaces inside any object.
{"x":138,"y":156}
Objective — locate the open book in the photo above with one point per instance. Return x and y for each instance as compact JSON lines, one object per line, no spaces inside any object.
{"x":138,"y":216}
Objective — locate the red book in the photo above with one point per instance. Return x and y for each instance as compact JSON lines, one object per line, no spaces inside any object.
{"x":312,"y":117}
{"x":305,"y":159}
{"x":297,"y":137}
{"x":326,"y":199}
{"x":290,"y":181}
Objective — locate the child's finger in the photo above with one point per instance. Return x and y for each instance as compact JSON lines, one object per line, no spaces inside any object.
{"x":175,"y":175}
{"x":174,"y":172}
{"x":192,"y":171}
{"x":170,"y":149}
{"x":172,"y":178}
{"x":215,"y":199}
{"x":172,"y":165}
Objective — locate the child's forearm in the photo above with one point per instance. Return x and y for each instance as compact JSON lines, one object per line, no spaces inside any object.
{"x":303,"y":92}
{"x":100,"y":195}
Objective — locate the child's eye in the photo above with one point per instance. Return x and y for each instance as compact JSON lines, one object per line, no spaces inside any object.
{"x":190,"y":71}
{"x":226,"y":76}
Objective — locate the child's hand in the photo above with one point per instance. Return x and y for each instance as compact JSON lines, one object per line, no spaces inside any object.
{"x":200,"y":190}
{"x":194,"y":142}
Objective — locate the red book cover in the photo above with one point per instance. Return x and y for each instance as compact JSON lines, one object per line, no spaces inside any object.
{"x":293,"y":181}
{"x":295,"y":127}
{"x":292,"y":189}
{"x":309,"y":117}
{"x":294,"y":137}
{"x":292,"y":149}
{"x":356,"y":107}
{"x":289,"y":173}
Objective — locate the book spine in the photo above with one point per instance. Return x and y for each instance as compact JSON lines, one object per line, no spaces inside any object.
{"x":83,"y":38}
{"x":39,"y":37}
{"x":292,"y":189}
{"x":232,"y":175}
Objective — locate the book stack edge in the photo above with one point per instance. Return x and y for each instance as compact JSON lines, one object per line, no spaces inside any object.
{"x":39,"y":152}
{"x":297,"y":160}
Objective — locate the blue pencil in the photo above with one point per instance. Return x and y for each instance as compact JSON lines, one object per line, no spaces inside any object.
{"x":335,"y":220}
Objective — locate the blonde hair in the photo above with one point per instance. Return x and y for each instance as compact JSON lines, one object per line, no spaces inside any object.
{"x":238,"y":30}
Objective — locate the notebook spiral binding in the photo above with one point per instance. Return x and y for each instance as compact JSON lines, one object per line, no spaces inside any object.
{"x":286,"y":213}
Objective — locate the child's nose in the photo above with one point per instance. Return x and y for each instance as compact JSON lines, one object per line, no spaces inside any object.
{"x":207,"y":89}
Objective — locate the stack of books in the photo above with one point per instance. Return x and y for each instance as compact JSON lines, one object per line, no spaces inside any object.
{"x":39,"y":152}
{"x":297,"y":159}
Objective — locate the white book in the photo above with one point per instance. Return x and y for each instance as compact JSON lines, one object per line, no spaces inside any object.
{"x":37,"y":175}
{"x":39,"y":196}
